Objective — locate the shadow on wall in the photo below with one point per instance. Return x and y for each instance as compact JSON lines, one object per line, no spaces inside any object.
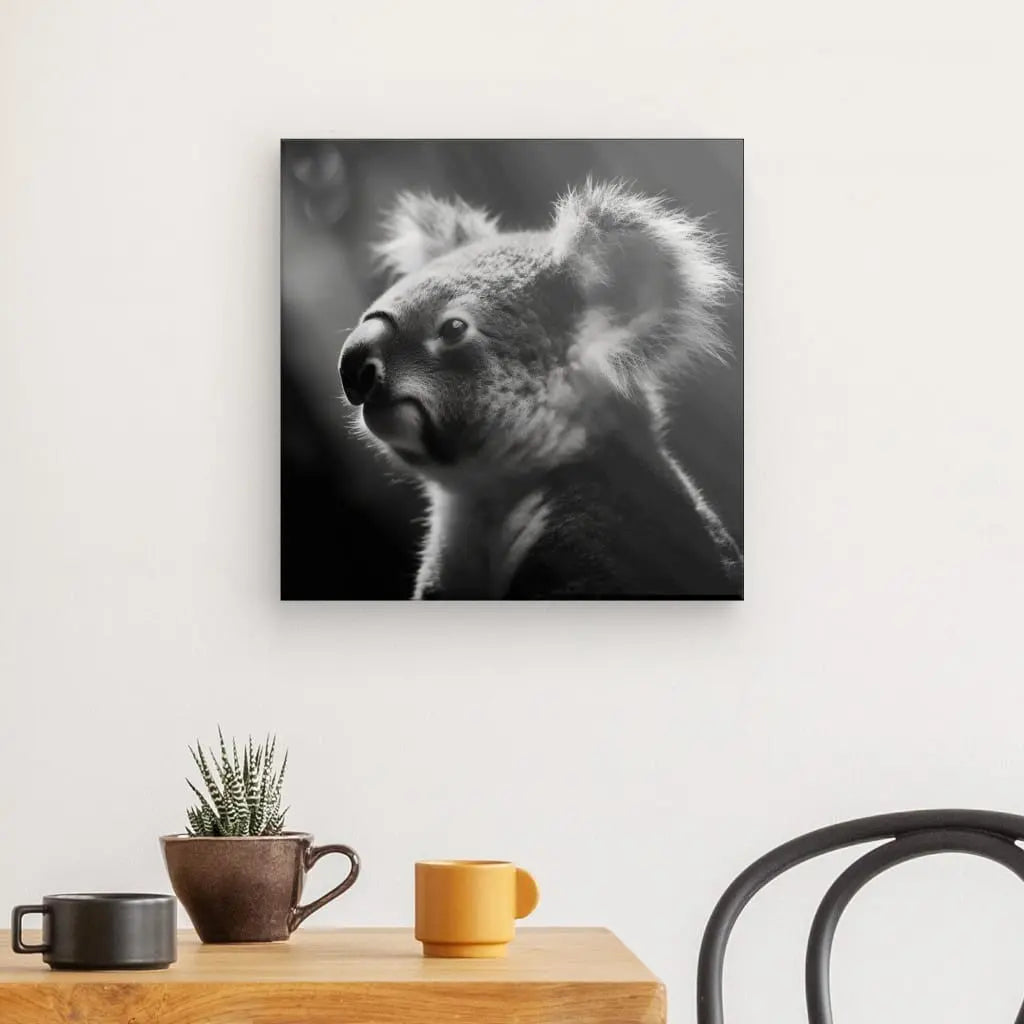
{"x":350,"y":525}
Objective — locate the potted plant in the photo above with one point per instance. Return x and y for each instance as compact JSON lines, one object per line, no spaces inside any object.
{"x":237,"y":872}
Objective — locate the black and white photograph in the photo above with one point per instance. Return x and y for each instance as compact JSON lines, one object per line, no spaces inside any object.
{"x":512,"y":369}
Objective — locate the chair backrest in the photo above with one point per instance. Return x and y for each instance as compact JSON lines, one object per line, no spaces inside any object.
{"x":989,"y":834}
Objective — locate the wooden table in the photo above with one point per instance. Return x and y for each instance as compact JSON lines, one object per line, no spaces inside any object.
{"x":353,"y":976}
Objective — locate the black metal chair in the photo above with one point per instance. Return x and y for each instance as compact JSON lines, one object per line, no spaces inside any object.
{"x":989,"y":834}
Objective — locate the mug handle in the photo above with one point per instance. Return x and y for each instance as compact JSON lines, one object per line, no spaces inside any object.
{"x":527,"y":893}
{"x":312,"y":855}
{"x":17,"y":915}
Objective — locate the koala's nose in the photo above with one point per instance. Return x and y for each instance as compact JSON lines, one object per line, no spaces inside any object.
{"x":361,"y":364}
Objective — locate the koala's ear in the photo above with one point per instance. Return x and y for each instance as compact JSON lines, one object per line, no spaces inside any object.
{"x":419,"y":228}
{"x":651,"y":278}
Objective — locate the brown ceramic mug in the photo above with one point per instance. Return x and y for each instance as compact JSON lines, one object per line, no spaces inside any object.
{"x":247,"y":888}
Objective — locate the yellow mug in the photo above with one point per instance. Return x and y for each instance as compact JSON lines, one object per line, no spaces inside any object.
{"x":469,"y":908}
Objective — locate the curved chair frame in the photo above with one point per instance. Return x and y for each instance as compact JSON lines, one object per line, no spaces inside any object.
{"x":988,"y":834}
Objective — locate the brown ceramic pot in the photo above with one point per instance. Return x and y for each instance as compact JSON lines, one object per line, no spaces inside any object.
{"x":247,"y":888}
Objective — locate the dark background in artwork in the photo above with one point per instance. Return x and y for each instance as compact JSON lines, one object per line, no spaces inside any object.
{"x":350,"y":524}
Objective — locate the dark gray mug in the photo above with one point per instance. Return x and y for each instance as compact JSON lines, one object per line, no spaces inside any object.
{"x":102,"y":931}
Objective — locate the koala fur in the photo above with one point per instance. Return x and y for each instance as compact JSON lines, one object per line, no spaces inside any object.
{"x":519,"y":375}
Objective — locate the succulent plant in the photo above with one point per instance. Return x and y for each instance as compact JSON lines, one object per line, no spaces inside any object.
{"x":243,"y":795}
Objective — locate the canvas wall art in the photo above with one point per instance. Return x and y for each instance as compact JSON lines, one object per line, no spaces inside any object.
{"x":512,"y":369}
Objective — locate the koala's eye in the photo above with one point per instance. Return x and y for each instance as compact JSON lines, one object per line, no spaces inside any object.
{"x":452,"y":330}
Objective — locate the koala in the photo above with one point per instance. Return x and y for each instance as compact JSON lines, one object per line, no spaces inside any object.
{"x":519,"y":376}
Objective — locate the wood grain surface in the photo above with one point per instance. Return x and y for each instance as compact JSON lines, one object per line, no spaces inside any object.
{"x":351,"y":976}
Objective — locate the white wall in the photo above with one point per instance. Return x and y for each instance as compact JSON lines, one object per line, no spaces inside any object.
{"x":634,"y":757}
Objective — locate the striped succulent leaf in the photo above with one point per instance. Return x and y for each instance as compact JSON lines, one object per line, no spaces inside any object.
{"x":215,"y":791}
{"x":210,"y":822}
{"x":229,"y":813}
